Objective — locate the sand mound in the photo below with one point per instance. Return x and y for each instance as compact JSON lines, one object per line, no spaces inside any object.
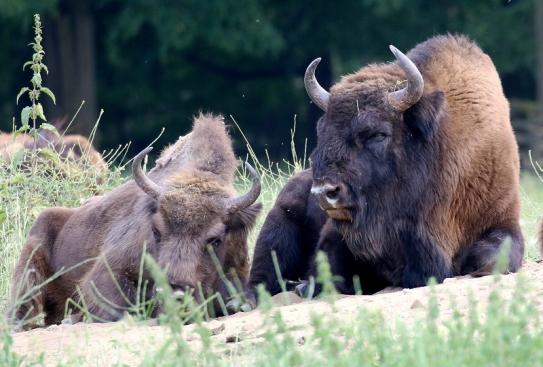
{"x":126,"y":342}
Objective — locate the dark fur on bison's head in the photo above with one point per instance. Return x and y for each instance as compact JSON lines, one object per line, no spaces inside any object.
{"x":373,"y":159}
{"x":418,"y":157}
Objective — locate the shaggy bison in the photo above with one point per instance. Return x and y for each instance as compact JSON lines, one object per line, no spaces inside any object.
{"x":182,"y":210}
{"x":70,"y":148}
{"x":415,"y":175}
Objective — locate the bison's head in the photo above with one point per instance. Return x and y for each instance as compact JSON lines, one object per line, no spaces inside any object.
{"x":198,"y":226}
{"x":377,"y":128}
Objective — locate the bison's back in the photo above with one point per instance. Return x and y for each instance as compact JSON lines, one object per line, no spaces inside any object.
{"x":478,"y":165}
{"x":467,"y":76}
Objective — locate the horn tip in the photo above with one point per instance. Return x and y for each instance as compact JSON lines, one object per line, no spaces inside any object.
{"x":314,"y":63}
{"x":139,"y":157}
{"x":252,"y":172}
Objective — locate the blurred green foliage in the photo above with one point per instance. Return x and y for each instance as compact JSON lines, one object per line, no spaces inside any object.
{"x":159,"y":62}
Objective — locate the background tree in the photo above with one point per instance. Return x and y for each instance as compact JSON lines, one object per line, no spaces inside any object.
{"x":151,"y":64}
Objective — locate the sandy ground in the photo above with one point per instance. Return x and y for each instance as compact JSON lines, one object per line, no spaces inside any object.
{"x":126,"y":342}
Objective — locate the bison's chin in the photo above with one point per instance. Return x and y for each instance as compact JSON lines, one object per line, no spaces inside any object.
{"x":340,"y":214}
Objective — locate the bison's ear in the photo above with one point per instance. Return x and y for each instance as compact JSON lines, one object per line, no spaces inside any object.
{"x":425,"y":116}
{"x":245,"y":218}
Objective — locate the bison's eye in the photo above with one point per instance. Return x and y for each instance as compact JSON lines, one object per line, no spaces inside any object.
{"x":368,"y":138}
{"x":378,"y":137}
{"x":156,"y":234}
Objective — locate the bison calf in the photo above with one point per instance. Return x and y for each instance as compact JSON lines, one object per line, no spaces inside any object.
{"x":184,"y":208}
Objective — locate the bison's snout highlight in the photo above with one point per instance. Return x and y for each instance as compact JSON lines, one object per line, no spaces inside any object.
{"x":333,"y":198}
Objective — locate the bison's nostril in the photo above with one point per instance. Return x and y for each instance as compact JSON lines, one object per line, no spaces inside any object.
{"x":178,"y":294}
{"x":181,"y":287}
{"x":333,"y":193}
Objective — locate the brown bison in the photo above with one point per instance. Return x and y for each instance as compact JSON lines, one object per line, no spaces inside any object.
{"x":70,"y":148}
{"x":185,"y":210}
{"x":415,"y":175}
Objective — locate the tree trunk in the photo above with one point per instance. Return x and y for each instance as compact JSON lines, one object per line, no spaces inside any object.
{"x":538,"y":22}
{"x":70,"y":56}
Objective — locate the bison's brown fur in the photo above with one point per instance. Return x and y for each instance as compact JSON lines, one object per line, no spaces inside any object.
{"x":72,"y":149}
{"x":416,"y":187}
{"x":191,"y":213}
{"x":478,"y":172}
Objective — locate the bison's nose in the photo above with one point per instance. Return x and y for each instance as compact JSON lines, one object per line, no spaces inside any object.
{"x":335,"y":199}
{"x":332,"y":192}
{"x":180,"y":289}
{"x":327,"y":192}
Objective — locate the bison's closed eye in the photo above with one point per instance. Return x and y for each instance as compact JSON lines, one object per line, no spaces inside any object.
{"x":377,"y":137}
{"x":156,"y":234}
{"x":366,"y":137}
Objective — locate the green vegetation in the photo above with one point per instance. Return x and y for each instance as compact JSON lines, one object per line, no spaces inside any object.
{"x":370,"y":340}
{"x":150,"y":64}
{"x":509,"y":332}
{"x":35,"y":110}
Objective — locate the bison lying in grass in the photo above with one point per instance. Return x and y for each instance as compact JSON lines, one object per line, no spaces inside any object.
{"x":71,"y":149}
{"x":415,"y":175}
{"x":182,"y":213}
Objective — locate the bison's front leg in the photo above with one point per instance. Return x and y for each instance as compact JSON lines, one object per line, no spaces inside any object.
{"x":423,"y":260}
{"x":27,"y":298}
{"x":290,"y":231}
{"x":30,"y":291}
{"x":107,"y":293}
{"x":344,"y":266}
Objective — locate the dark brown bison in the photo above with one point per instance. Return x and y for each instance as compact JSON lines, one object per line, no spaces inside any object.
{"x":72,"y":149}
{"x":184,"y":209}
{"x":415,"y":175}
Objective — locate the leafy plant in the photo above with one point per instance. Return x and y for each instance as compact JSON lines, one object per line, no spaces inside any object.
{"x":35,"y":110}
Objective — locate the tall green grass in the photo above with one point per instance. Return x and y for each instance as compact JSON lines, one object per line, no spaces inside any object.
{"x":367,"y":341}
{"x":508,"y":333}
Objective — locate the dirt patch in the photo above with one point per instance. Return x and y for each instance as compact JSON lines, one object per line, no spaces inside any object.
{"x":105,"y":344}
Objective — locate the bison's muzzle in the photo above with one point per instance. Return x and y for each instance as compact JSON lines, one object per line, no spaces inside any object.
{"x":334,"y":199}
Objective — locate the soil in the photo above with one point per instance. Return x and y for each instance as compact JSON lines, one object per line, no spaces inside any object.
{"x":128,"y":342}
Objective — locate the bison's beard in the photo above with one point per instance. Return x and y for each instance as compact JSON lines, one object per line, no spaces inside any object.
{"x":340,"y":214}
{"x":366,"y":230}
{"x":350,"y":215}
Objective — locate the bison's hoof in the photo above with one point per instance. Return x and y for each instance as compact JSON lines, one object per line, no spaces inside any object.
{"x":237,"y":305}
{"x":246,"y":307}
{"x":302,"y":290}
{"x":233,"y":305}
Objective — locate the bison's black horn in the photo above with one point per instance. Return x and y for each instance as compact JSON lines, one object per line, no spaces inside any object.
{"x":244,"y":201}
{"x":402,"y":99}
{"x":318,"y":94}
{"x":148,"y":186}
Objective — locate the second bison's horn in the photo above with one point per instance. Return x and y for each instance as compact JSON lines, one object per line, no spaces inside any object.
{"x":402,"y":99}
{"x":144,"y":182}
{"x":319,"y":95}
{"x":236,"y":204}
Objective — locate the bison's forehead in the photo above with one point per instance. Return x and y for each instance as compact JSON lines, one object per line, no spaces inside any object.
{"x":192,"y":203}
{"x":357,"y":98}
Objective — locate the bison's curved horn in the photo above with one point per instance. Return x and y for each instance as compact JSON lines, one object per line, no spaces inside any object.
{"x":148,"y":186}
{"x":408,"y":96}
{"x":244,"y":201}
{"x":318,"y":94}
